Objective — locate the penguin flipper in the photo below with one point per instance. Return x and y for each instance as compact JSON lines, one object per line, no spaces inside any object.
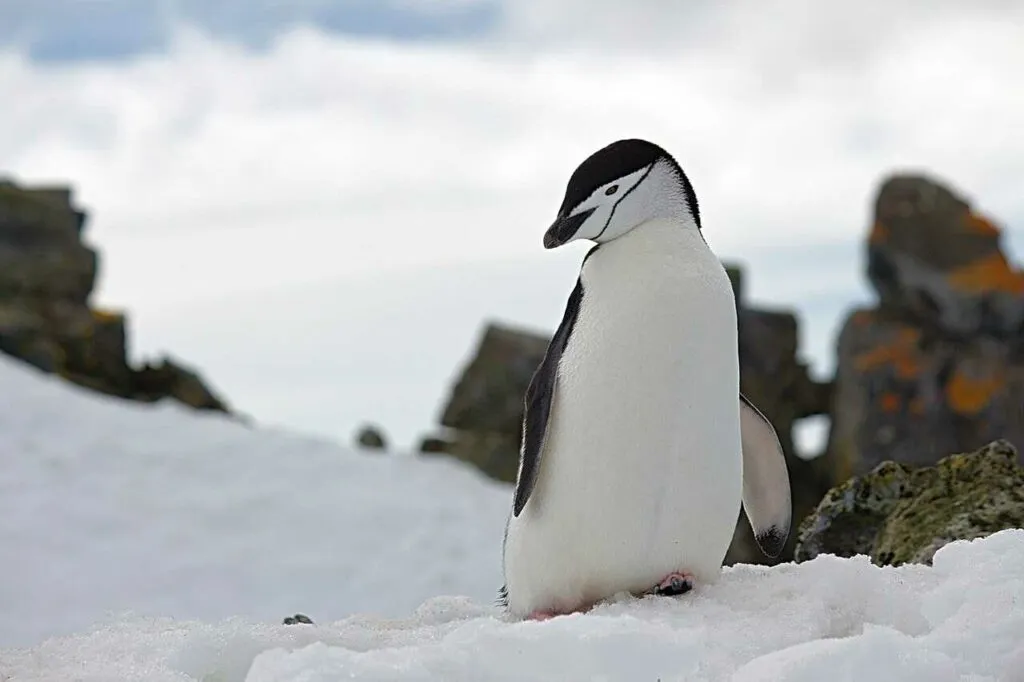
{"x":766,"y":495}
{"x":539,"y":396}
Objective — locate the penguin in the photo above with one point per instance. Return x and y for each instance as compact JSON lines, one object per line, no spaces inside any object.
{"x":638,"y":448}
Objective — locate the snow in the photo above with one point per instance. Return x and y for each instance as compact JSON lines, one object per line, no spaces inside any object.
{"x":212,"y":532}
{"x":107,"y":506}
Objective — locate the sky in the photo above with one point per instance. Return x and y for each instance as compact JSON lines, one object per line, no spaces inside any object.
{"x":319,"y":204}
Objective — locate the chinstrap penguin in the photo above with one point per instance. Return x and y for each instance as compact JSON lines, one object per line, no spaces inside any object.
{"x":637,"y":446}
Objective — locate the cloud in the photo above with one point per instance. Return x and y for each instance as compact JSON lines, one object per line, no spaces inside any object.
{"x":215,"y":173}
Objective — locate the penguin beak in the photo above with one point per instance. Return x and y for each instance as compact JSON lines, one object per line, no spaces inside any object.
{"x":564,"y":228}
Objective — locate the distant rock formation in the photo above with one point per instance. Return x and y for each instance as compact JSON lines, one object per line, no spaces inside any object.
{"x":938,"y":365}
{"x":901,"y":514}
{"x":484,"y":411}
{"x":47,"y":275}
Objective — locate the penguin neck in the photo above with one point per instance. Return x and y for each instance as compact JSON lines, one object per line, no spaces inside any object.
{"x":654,"y":259}
{"x":660,"y":239}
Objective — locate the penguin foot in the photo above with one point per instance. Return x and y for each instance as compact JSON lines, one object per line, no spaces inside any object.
{"x":674,"y":584}
{"x":541,"y":615}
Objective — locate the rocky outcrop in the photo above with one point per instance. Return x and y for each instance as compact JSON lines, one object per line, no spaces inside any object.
{"x":937,"y":366}
{"x":898,"y":514}
{"x":484,"y":412}
{"x":47,"y":275}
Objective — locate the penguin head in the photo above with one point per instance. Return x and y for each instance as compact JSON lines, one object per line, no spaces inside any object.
{"x":619,"y":187}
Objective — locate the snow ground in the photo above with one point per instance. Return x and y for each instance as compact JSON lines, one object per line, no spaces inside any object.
{"x":212,"y":532}
{"x":107,"y":506}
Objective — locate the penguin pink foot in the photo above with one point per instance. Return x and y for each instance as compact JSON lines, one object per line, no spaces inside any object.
{"x":674,"y":584}
{"x":541,"y":615}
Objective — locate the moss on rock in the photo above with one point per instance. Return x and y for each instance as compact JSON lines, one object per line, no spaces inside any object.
{"x":898,"y":514}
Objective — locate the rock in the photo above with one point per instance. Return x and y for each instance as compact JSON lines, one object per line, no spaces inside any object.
{"x":42,"y":256}
{"x":433,"y":445}
{"x":47,"y":275}
{"x":298,"y":619}
{"x":495,"y":454}
{"x":903,"y":514}
{"x":938,"y":365}
{"x":937,"y":263}
{"x":775,"y":380}
{"x":488,"y":396}
{"x":169,"y":379}
{"x":485,"y":408}
{"x":371,"y":438}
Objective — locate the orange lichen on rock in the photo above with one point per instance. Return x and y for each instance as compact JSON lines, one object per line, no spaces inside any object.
{"x":879,"y":233}
{"x":890,"y":402}
{"x":988,"y":274}
{"x":970,"y":395}
{"x":980,"y":224}
{"x":901,"y":352}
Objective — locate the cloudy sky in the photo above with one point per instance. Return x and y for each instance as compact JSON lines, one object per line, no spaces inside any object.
{"x":319,"y":202}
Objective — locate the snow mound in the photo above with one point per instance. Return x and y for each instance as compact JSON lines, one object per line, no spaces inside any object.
{"x":108,"y":506}
{"x":828,"y":619}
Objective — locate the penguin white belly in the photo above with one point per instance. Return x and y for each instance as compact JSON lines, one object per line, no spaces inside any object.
{"x":641,"y":474}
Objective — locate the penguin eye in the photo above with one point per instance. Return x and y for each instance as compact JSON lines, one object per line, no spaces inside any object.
{"x":611,"y":190}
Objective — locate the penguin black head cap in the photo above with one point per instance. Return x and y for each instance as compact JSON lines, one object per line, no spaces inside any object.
{"x":619,"y":187}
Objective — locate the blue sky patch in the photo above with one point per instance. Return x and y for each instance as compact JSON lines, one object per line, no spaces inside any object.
{"x":77,"y":30}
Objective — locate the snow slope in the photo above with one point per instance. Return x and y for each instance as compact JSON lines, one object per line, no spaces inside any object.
{"x":107,"y":506}
{"x":190,"y":520}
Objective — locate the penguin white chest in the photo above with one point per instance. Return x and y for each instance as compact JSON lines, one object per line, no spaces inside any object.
{"x":641,"y":473}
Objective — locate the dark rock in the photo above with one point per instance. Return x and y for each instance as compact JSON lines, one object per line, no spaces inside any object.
{"x":433,"y":445}
{"x":42,"y":256}
{"x":298,"y":619}
{"x":898,"y":513}
{"x":488,"y":396}
{"x":168,"y":379}
{"x":485,"y":409}
{"x":371,"y":438}
{"x":774,"y":379}
{"x":495,"y":454}
{"x":47,"y":275}
{"x":938,"y":365}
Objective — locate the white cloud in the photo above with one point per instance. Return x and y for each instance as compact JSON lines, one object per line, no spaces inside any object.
{"x":214,"y":173}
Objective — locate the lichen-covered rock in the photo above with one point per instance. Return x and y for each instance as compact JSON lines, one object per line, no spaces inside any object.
{"x":903,"y":514}
{"x":936,"y":261}
{"x":485,"y":409}
{"x":938,"y":365}
{"x":47,"y":274}
{"x":371,"y":438}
